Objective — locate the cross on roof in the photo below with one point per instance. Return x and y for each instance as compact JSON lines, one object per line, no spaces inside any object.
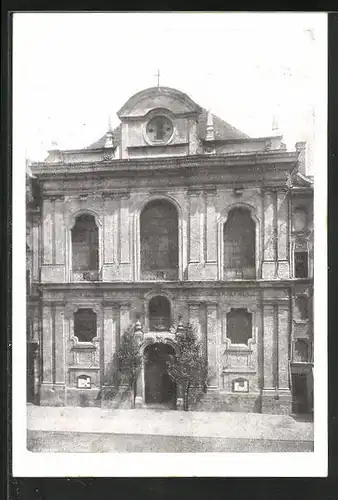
{"x":158,"y":77}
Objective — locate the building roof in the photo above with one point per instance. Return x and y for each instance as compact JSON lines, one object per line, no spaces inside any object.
{"x":223,"y":131}
{"x":99,"y":144}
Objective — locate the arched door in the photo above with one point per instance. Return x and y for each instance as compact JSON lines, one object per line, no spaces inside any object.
{"x":159,"y":387}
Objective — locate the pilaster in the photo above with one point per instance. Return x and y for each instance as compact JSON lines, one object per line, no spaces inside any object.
{"x":59,"y":342}
{"x":212,"y":345}
{"x":283,"y":266}
{"x":269,"y":243}
{"x":124,"y":318}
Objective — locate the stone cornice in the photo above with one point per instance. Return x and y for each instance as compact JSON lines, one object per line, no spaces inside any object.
{"x":239,"y":286}
{"x":117,"y":167}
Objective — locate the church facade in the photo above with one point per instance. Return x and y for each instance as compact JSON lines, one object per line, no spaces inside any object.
{"x":173,"y":217}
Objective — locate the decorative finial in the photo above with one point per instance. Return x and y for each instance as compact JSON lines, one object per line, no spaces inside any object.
{"x":275,"y":126}
{"x":54,"y":145}
{"x":180,"y":327}
{"x":109,"y":124}
{"x":138,"y":326}
{"x":210,"y":135}
{"x":109,"y":141}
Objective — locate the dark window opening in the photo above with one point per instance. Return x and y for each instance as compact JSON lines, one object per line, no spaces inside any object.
{"x":239,"y":326}
{"x":159,"y":241}
{"x":159,"y":314}
{"x":85,"y":245}
{"x":239,"y":245}
{"x":301,"y":264}
{"x":85,"y":325}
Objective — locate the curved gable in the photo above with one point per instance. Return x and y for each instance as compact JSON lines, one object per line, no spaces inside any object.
{"x":158,"y":97}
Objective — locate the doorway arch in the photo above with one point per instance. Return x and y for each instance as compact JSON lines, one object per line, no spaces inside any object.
{"x":159,"y":388}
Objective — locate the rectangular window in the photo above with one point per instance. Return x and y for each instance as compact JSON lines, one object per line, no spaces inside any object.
{"x":301,"y":264}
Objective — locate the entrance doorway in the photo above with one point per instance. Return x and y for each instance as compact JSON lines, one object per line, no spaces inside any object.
{"x":160,"y":389}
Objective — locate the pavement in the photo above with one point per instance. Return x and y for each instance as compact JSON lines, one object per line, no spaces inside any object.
{"x":95,"y":429}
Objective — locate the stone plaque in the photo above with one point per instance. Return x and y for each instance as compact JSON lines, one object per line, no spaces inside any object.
{"x":240,"y":385}
{"x":84,"y":382}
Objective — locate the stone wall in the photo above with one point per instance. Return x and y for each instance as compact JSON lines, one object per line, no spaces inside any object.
{"x":202,"y":214}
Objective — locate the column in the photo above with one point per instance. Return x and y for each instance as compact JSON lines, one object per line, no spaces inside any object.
{"x":35,"y":248}
{"x":268,"y":343}
{"x":195,"y":319}
{"x":109,"y":341}
{"x":282,"y":235}
{"x":59,"y":343}
{"x":211,"y":228}
{"x":194,"y":227}
{"x":283,"y":346}
{"x":124,"y":318}
{"x":124,"y":230}
{"x":47,"y":345}
{"x":212,"y":345}
{"x":59,"y":231}
{"x":110,"y":227}
{"x":47,"y":232}
{"x":269,"y":243}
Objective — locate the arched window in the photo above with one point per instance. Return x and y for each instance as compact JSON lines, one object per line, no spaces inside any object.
{"x":239,"y":245}
{"x":159,"y":241}
{"x":302,"y":307}
{"x":239,"y":326}
{"x":159,"y":314}
{"x":299,"y":219}
{"x":85,"y":325}
{"x":301,"y":352}
{"x":85,"y":248}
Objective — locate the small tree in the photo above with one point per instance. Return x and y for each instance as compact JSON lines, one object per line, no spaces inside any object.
{"x":128,"y":361}
{"x":189,"y":368}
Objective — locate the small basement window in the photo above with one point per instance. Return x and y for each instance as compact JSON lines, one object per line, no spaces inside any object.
{"x":85,"y":325}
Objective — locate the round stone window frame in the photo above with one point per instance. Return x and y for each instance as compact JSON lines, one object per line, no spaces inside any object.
{"x":160,"y":142}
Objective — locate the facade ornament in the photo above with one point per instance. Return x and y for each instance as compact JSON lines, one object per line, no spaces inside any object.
{"x":138,"y":326}
{"x":210,"y":135}
{"x":268,"y":145}
{"x":180,"y":327}
{"x":108,"y":156}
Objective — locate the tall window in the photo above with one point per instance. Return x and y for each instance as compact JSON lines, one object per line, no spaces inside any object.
{"x":159,"y":314}
{"x":85,"y":248}
{"x":239,"y":245}
{"x":239,"y":326}
{"x":85,"y":325}
{"x":159,"y":241}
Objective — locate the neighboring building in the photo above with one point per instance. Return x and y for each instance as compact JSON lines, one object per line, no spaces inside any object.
{"x":174,"y":214}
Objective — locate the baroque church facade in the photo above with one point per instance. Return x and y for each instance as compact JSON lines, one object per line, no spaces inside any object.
{"x":173,"y":217}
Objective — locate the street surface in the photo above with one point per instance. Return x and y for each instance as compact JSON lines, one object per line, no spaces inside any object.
{"x":67,"y":442}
